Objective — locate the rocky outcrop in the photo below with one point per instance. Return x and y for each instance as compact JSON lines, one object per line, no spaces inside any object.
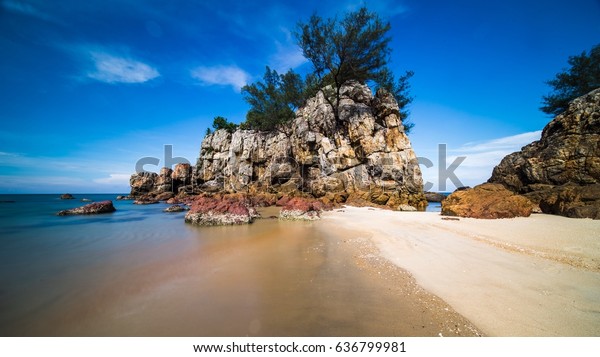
{"x":167,"y":181}
{"x":221,"y":210}
{"x":561,"y":170}
{"x":92,"y":208}
{"x":434,"y":197}
{"x":67,"y":196}
{"x":301,"y":209}
{"x":365,"y":152}
{"x":487,"y":201}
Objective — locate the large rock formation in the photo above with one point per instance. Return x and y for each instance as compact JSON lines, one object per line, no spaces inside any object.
{"x":561,"y":171}
{"x":365,"y":154}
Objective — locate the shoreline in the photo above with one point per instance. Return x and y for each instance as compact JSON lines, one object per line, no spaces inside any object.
{"x":535,"y":276}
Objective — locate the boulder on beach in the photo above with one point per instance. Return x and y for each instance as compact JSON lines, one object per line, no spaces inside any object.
{"x":300,"y":208}
{"x":221,"y":210}
{"x":67,"y":196}
{"x":487,"y":201}
{"x":92,"y":208}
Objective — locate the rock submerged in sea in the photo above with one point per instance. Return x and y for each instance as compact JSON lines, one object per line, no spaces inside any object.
{"x":175,"y":208}
{"x":486,"y":201}
{"x":221,"y":210}
{"x":92,"y":208}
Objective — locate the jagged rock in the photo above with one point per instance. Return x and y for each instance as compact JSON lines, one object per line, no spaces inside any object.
{"x":434,"y":197}
{"x":67,"y":196}
{"x":221,"y":210}
{"x":92,"y":208}
{"x":299,"y":208}
{"x":124,"y":198}
{"x":567,"y":154}
{"x":175,"y":208}
{"x":486,"y":201}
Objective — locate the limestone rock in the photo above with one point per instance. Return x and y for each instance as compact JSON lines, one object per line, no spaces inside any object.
{"x":486,"y":201}
{"x":567,"y":154}
{"x":92,"y":208}
{"x":365,"y":147}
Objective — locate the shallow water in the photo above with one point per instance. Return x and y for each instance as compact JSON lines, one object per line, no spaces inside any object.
{"x":142,"y":272}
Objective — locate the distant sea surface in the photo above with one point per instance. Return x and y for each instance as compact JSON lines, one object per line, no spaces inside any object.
{"x":140,"y":271}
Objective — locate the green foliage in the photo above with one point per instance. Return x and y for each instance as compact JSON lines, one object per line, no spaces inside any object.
{"x":353,"y":48}
{"x":222,"y":123}
{"x":273,"y":102}
{"x":208,"y":132}
{"x":399,"y":89}
{"x":582,"y":77}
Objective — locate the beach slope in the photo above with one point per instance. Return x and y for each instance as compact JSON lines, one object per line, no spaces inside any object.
{"x":536,"y":276}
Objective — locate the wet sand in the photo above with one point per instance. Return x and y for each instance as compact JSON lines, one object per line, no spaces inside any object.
{"x":536,"y":276}
{"x":271,"y":278}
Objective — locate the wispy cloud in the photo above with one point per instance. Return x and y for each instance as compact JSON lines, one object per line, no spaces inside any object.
{"x":288,"y":54}
{"x":114,"y":179}
{"x":482,"y":157}
{"x":25,"y":8}
{"x":221,"y":75}
{"x":116,"y":69}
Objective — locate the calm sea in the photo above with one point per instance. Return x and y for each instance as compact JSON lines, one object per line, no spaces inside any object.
{"x":45,"y":259}
{"x":140,"y":271}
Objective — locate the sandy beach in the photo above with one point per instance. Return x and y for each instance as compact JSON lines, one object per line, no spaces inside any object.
{"x":536,"y":276}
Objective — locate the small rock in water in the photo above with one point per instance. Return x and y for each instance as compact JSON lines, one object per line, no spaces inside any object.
{"x":175,"y":208}
{"x":92,"y":208}
{"x":66,"y":196}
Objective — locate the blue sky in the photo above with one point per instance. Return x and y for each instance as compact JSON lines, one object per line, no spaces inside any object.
{"x":89,"y":87}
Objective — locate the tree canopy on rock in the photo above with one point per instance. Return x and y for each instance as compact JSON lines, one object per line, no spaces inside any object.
{"x":581,"y":78}
{"x":355,"y":47}
{"x":273,"y":101}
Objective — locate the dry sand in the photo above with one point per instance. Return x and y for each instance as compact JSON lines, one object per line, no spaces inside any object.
{"x":536,"y":276}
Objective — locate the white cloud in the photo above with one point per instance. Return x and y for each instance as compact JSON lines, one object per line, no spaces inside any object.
{"x":114,"y":179}
{"x":24,"y":8}
{"x":502,"y":144}
{"x":221,"y":75}
{"x":287,"y":57}
{"x":115,"y":69}
{"x":480,"y":158}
